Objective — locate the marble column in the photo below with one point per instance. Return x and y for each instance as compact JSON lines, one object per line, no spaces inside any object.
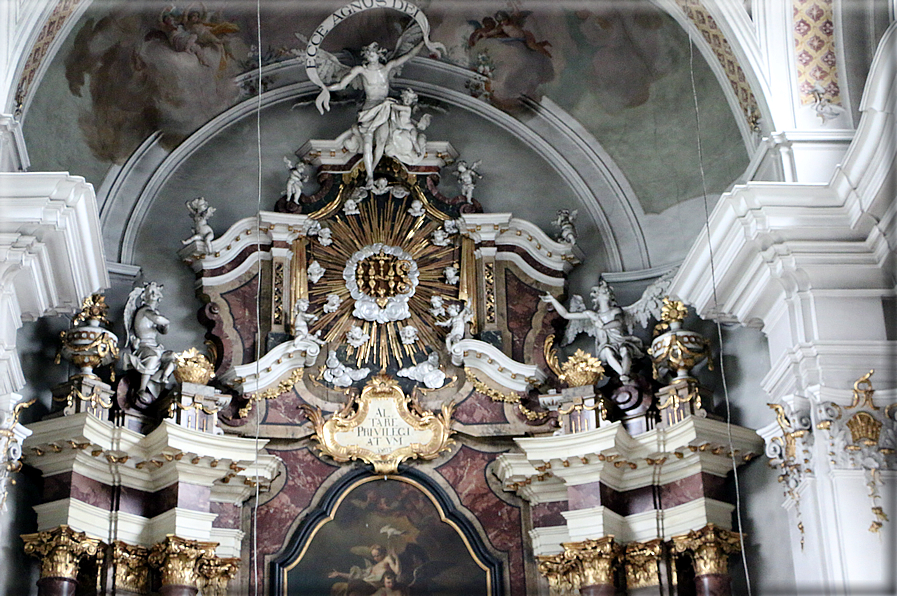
{"x":60,"y":551}
{"x":710,"y":548}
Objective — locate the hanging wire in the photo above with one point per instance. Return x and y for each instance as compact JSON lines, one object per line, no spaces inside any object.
{"x":258,"y":296}
{"x":719,"y":327}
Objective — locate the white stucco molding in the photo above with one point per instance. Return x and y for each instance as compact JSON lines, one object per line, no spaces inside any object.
{"x":50,"y":255}
{"x":772,"y":242}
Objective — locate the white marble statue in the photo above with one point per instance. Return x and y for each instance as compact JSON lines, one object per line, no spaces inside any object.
{"x":383,"y":125}
{"x":407,"y":142}
{"x":408,"y":335}
{"x":356,"y":336}
{"x":457,"y":321}
{"x":564,"y":221}
{"x":350,"y":207}
{"x":452,"y":226}
{"x":315,"y":272}
{"x":301,"y":321}
{"x":610,"y":324}
{"x":380,"y":187}
{"x":467,"y":177}
{"x":298,"y":177}
{"x":325,"y":236}
{"x":607,"y":324}
{"x":417,"y":208}
{"x":451,"y":275}
{"x":437,"y":306}
{"x":333,"y":303}
{"x":203,"y":234}
{"x":143,"y":353}
{"x":427,"y":372}
{"x":338,"y":374}
{"x":440,"y":237}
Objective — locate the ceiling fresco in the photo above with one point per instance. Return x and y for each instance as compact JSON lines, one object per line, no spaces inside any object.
{"x":128,"y":70}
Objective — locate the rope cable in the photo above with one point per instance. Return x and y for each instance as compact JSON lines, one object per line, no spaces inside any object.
{"x":719,"y":328}
{"x":258,"y":294}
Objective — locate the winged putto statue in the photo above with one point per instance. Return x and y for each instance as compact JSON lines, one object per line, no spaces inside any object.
{"x":145,"y":354}
{"x":610,"y":324}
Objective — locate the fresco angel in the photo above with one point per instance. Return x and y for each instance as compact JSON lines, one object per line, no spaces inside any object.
{"x":610,"y":324}
{"x":510,"y":26}
{"x":380,"y":116}
{"x":368,"y":579}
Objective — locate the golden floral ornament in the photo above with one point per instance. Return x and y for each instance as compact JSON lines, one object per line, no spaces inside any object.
{"x":61,"y":550}
{"x":93,"y":308}
{"x":193,"y":367}
{"x":710,"y":548}
{"x":579,"y":370}
{"x":596,"y":560}
{"x":216,"y":573}
{"x":382,"y":427}
{"x":861,"y":436}
{"x":563,"y":573}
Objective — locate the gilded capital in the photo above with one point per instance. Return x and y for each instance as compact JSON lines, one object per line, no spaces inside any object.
{"x":178,"y":560}
{"x":216,"y":573}
{"x":562,"y":572}
{"x":710,"y":546}
{"x":60,"y":550}
{"x":131,"y":567}
{"x":596,"y":560}
{"x":641,"y":564}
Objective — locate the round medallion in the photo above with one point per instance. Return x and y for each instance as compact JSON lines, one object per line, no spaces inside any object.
{"x":381,"y":279}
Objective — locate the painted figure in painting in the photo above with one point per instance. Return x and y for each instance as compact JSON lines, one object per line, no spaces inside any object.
{"x":368,"y":580}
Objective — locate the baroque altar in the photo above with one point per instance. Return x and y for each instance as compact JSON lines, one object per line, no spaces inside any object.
{"x":371,"y":324}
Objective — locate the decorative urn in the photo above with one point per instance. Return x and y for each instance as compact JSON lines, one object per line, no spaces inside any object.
{"x":88,"y":344}
{"x":676,"y":350}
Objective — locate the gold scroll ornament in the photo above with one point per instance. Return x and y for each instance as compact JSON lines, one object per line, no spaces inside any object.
{"x":382,"y":427}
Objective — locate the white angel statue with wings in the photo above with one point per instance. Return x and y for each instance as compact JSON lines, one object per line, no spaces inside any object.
{"x":610,"y":324}
{"x":380,"y":116}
